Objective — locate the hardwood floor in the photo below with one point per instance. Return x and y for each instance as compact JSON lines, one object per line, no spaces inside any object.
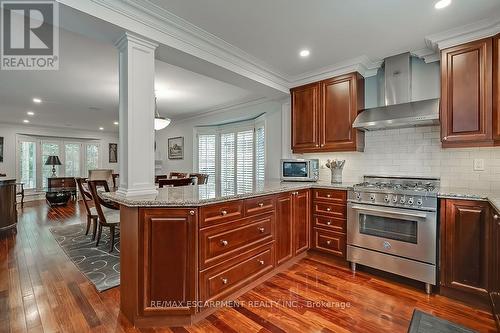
{"x":42,"y":291}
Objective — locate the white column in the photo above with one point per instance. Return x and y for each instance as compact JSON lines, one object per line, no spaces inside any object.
{"x":137,"y":72}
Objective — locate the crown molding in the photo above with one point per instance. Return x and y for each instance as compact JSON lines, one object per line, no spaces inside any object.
{"x":460,"y":35}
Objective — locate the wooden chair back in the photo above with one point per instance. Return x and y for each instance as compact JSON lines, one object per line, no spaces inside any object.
{"x":98,"y":201}
{"x":102,"y":174}
{"x":86,"y":195}
{"x":202,"y":177}
{"x":177,"y":175}
{"x":176,"y":182}
{"x":115,"y":177}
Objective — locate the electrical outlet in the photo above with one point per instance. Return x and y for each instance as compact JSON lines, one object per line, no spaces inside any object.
{"x":478,"y":164}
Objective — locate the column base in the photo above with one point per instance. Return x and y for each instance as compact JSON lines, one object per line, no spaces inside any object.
{"x":139,"y":192}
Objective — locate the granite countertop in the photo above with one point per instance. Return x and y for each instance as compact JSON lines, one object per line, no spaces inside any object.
{"x":471,"y":194}
{"x":200,"y":195}
{"x":6,"y":180}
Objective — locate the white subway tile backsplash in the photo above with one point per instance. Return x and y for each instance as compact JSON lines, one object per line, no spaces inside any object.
{"x":417,"y":152}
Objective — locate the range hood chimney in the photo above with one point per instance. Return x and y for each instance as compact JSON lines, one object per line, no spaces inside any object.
{"x":399,"y":111}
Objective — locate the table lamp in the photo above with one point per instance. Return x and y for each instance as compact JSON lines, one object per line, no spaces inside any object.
{"x":53,"y":160}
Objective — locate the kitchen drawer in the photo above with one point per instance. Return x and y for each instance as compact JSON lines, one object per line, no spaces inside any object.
{"x":218,"y":281}
{"x":219,"y":213}
{"x":221,"y":242}
{"x":259,"y":205}
{"x":330,"y":209}
{"x":338,"y":196}
{"x":330,"y":223}
{"x":330,"y":242}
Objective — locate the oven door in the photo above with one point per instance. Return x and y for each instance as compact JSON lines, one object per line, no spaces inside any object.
{"x":398,"y":231}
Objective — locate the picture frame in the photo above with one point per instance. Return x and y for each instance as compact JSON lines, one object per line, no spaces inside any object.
{"x":113,"y":153}
{"x":176,"y":148}
{"x":1,"y":149}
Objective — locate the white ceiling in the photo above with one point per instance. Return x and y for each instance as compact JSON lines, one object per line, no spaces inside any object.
{"x":334,"y":30}
{"x":83,"y":93}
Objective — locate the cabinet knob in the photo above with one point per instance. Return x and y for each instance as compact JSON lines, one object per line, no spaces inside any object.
{"x":322,"y":145}
{"x":495,"y":217}
{"x":261,"y":204}
{"x":317,"y":145}
{"x":328,"y":195}
{"x":224,"y":280}
{"x":261,"y":229}
{"x":224,"y":242}
{"x":328,"y":242}
{"x":445,"y":138}
{"x":223,"y":212}
{"x":328,"y":209}
{"x":191,"y":212}
{"x":329,"y":223}
{"x":261,"y":262}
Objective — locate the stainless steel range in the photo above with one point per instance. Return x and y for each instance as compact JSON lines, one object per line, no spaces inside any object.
{"x":392,"y":226}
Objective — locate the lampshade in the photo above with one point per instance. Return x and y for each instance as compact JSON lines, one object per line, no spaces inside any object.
{"x":53,"y":160}
{"x":161,"y":123}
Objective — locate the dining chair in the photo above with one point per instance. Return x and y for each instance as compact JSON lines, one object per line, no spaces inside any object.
{"x":102,"y":174}
{"x":115,"y":177}
{"x":201,"y":177}
{"x":177,"y":175}
{"x":20,"y":192}
{"x":176,"y":182}
{"x":110,"y":220}
{"x":157,"y":177}
{"x":91,"y":211}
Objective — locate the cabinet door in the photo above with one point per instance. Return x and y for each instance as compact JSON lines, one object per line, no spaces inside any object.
{"x":339,"y":108}
{"x":466,"y":94}
{"x":305,"y":107}
{"x":284,"y":231}
{"x":301,"y":220}
{"x":495,"y":266}
{"x":496,"y":88}
{"x":168,"y":260}
{"x":466,"y":246}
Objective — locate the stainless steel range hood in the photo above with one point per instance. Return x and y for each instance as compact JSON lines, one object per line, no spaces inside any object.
{"x":399,"y":111}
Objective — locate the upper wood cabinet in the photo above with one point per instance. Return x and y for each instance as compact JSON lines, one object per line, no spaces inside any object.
{"x":496,"y":88}
{"x":467,"y":94}
{"x":323,"y":114}
{"x":305,"y":115}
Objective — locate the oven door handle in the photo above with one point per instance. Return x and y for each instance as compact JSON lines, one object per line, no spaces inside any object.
{"x":421,"y":216}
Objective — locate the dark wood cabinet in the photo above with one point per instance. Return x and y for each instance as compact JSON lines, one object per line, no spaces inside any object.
{"x":466,"y":94}
{"x":496,"y":88}
{"x":341,"y":100}
{"x":305,"y":116}
{"x":323,"y":113}
{"x":301,"y":220}
{"x":495,"y":265}
{"x":284,"y":228}
{"x":465,"y":249}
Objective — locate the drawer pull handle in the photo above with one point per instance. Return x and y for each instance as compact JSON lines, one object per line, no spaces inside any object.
{"x":191,"y":212}
{"x":261,"y":229}
{"x":328,"y":209}
{"x":328,"y":222}
{"x":328,"y":242}
{"x":224,"y":281}
{"x":224,"y":242}
{"x":495,"y":217}
{"x":328,"y":195}
{"x":223,"y":212}
{"x":261,"y":262}
{"x":261,"y":204}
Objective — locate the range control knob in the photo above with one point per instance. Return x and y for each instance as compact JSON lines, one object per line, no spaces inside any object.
{"x":358,"y":195}
{"x":419,"y":202}
{"x":386,"y":199}
{"x":403,"y":200}
{"x":410,"y":201}
{"x":372,"y":197}
{"x":395,"y":198}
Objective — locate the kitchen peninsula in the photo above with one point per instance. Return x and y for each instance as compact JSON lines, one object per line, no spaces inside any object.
{"x":187,"y":245}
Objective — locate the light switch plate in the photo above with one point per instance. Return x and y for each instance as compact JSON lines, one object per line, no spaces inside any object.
{"x":478,"y":164}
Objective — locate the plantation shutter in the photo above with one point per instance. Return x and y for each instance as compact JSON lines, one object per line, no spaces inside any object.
{"x":245,"y":161}
{"x":260,"y":156}
{"x":206,"y":160}
{"x":227,"y":163}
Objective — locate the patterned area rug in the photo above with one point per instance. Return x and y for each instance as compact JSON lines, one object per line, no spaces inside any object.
{"x":97,"y":264}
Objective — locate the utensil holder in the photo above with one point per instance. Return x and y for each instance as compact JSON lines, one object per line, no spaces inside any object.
{"x":336,"y":175}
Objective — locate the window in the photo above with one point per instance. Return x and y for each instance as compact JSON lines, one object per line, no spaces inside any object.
{"x":32,"y":152}
{"x":235,"y":156}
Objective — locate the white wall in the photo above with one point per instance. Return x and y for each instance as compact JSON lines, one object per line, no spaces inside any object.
{"x":9,"y":132}
{"x":186,"y":127}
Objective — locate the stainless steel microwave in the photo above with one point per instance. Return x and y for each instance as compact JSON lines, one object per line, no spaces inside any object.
{"x":300,"y":170}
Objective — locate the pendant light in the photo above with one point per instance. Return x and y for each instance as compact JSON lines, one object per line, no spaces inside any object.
{"x":160,"y":122}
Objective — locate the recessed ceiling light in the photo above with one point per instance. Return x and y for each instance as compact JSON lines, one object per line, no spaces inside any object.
{"x":101,"y":128}
{"x":442,"y":3}
{"x":304,"y":53}
{"x":37,"y":100}
{"x":30,"y":113}
{"x":26,"y":121}
{"x":116,"y":123}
